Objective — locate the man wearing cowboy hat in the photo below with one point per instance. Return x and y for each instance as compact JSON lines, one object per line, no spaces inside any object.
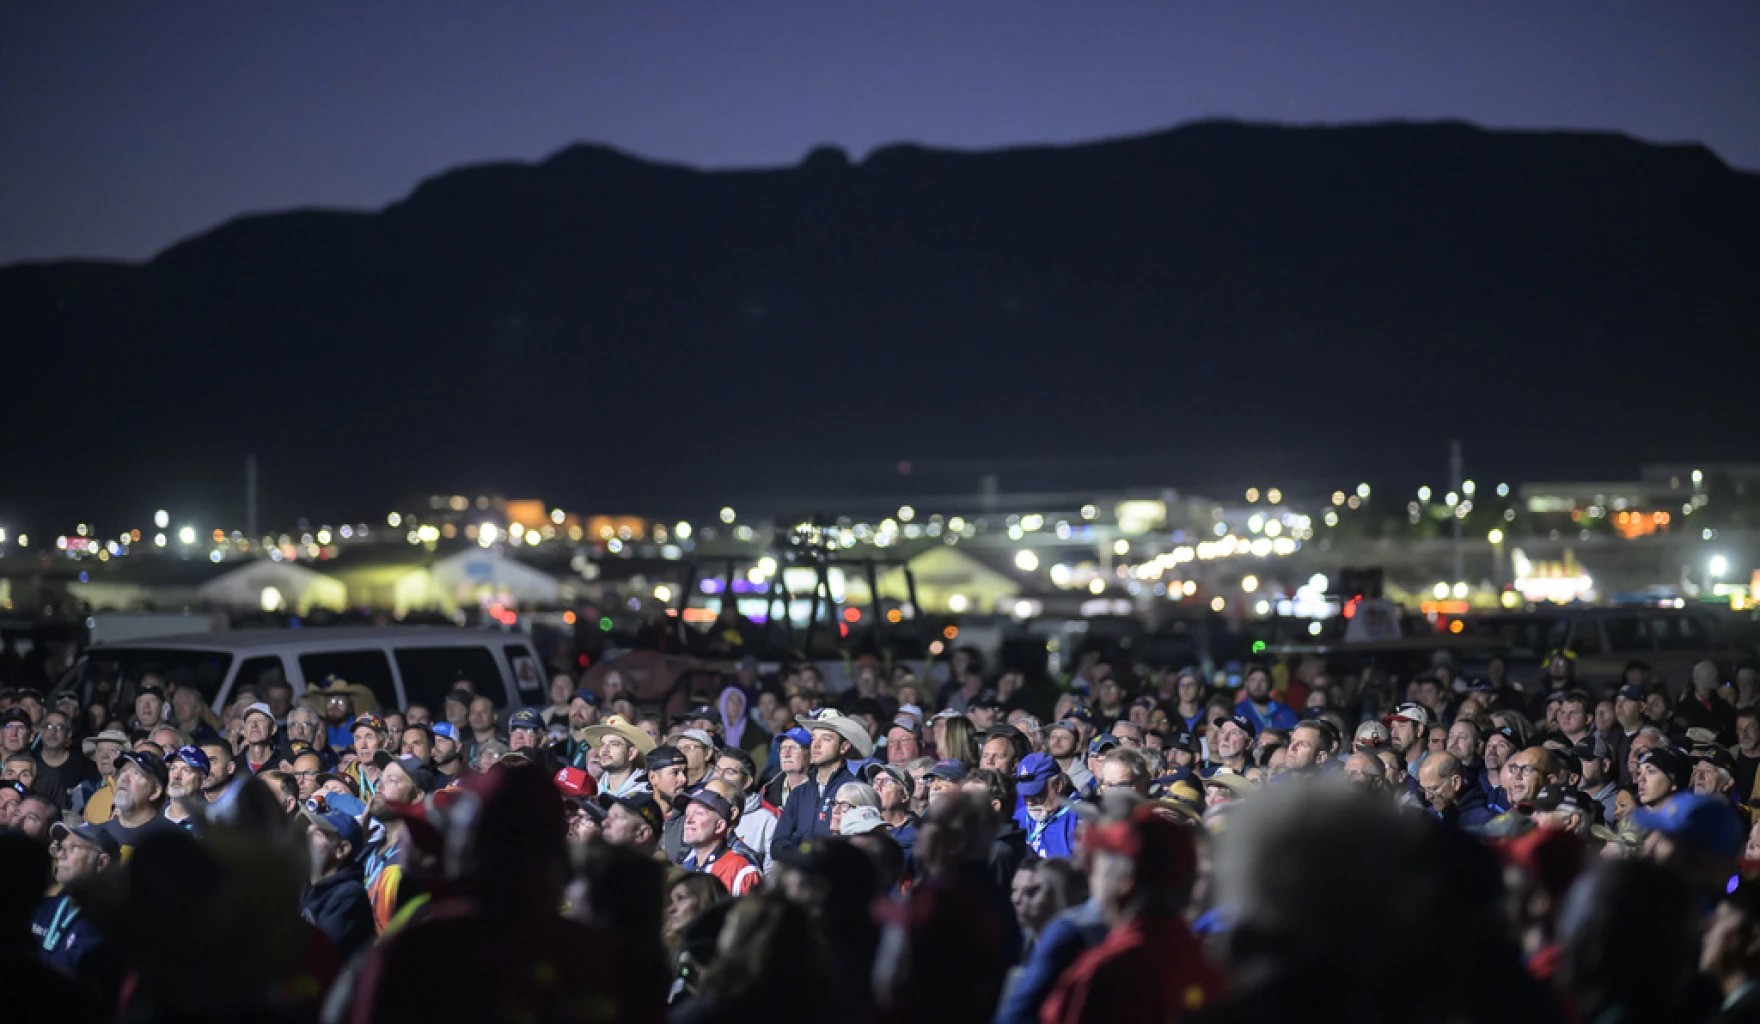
{"x":835,"y":739}
{"x":94,"y":799}
{"x":339,"y":703}
{"x":616,"y":746}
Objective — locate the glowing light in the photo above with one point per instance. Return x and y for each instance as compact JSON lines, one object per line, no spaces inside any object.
{"x":1252,"y":495}
{"x":957,"y":524}
{"x":1718,"y":565}
{"x":394,"y":520}
{"x":1189,"y":587}
{"x":1338,"y":497}
{"x":1096,"y":586}
{"x":488,"y":534}
{"x":1457,"y":627}
{"x":1274,"y":496}
{"x":1363,"y":491}
{"x":1088,"y":512}
{"x":1424,"y":493}
{"x":727,"y":514}
{"x":428,"y":533}
{"x":516,"y":532}
{"x":852,"y":615}
{"x":958,"y":603}
{"x":1261,"y":608}
{"x":894,"y":616}
{"x":1121,"y":547}
{"x":1026,"y":561}
{"x":1273,"y":528}
{"x":186,"y":535}
{"x":1460,"y":591}
{"x":158,"y":540}
{"x":906,"y":513}
{"x":215,"y":556}
{"x":1451,"y":499}
{"x":682,"y":531}
{"x":1313,"y":629}
{"x":1495,"y":536}
{"x":1468,"y":487}
{"x":1217,"y":604}
{"x":323,"y":536}
{"x":1440,"y":590}
{"x":1249,"y":583}
{"x":1698,"y":477}
{"x":605,"y":624}
{"x":663,"y":594}
{"x":1330,"y":518}
{"x":950,"y":632}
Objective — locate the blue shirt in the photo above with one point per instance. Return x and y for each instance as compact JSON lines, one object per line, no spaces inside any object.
{"x":1055,"y":837}
{"x":1275,"y":715}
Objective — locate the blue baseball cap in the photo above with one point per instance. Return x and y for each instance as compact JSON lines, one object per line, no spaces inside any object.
{"x":799,"y":735}
{"x":444,"y":730}
{"x":526,"y":718}
{"x":343,"y":826}
{"x":1035,"y":773}
{"x":1706,"y":822}
{"x":192,"y":756}
{"x":1101,"y":744}
{"x":951,"y":769}
{"x":1632,"y":691}
{"x":587,"y":695}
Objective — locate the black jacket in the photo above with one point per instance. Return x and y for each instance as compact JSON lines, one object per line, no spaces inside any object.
{"x":338,"y":906}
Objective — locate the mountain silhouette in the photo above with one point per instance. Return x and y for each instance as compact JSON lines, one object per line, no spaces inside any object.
{"x":1219,"y":301}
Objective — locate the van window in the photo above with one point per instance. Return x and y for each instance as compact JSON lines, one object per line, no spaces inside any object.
{"x":258,"y":672}
{"x":1627,"y":634}
{"x":1586,"y":638}
{"x":366,"y":668}
{"x":119,"y":671}
{"x":526,"y":673}
{"x":430,"y":673}
{"x":1679,"y":633}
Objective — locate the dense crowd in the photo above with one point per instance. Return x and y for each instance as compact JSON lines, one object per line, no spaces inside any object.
{"x":1146,"y":845}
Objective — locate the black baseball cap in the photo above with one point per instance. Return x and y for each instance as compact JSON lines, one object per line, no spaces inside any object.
{"x":1552,"y":798}
{"x":665,"y":756}
{"x":643,"y":806}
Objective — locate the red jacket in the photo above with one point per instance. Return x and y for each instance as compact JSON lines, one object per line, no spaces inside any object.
{"x":1148,"y":969}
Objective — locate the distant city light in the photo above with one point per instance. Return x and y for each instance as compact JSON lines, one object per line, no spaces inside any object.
{"x":1249,"y":583}
{"x":957,"y":603}
{"x":1718,"y":566}
{"x":186,"y":535}
{"x":1424,"y":493}
{"x":1096,"y":586}
{"x":1121,"y":547}
{"x":1495,"y":536}
{"x":394,"y":520}
{"x":1026,"y":561}
{"x":1363,"y":491}
{"x":161,"y":519}
{"x":1252,"y":495}
{"x":158,"y":540}
{"x":557,"y":516}
{"x":1440,"y":591}
{"x":682,"y":531}
{"x":1338,"y":497}
{"x":1088,"y":512}
{"x":727,"y":515}
{"x":663,"y":594}
{"x":1503,"y":490}
{"x":906,"y":513}
{"x":1460,"y":590}
{"x":1274,"y":495}
{"x":1468,"y":487}
{"x":1217,"y":604}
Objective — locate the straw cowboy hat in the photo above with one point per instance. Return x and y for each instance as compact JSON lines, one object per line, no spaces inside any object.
{"x":90,"y":744}
{"x":617,"y":725}
{"x":360,"y":697}
{"x":848,"y":728}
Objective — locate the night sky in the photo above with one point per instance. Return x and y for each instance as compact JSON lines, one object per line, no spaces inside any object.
{"x":128,"y":126}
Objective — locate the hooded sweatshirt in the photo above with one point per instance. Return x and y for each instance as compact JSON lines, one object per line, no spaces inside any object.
{"x":757,"y":824}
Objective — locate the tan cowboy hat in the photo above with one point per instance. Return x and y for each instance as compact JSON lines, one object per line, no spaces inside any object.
{"x":848,"y":728}
{"x":1232,"y":781}
{"x":617,"y":725}
{"x":90,"y":745}
{"x":361,"y":698}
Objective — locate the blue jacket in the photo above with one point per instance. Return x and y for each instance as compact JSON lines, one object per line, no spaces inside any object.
{"x":1061,"y":943}
{"x":1470,"y":809}
{"x":808,"y":812}
{"x":64,"y":937}
{"x":1275,"y":715}
{"x":1056,"y":838}
{"x":338,"y":905}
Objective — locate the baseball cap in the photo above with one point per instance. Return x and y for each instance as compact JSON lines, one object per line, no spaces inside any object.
{"x":1184,"y":739}
{"x":146,"y":762}
{"x":1509,"y":733}
{"x":1706,"y":822}
{"x":1064,"y":724}
{"x":343,"y":826}
{"x":1718,"y":756}
{"x":1372,"y":734}
{"x":859,"y":821}
{"x":891,"y":771}
{"x":1552,"y":798}
{"x":1101,"y":744}
{"x":153,"y":688}
{"x":708,"y":798}
{"x":1410,"y":711}
{"x":587,"y":695}
{"x":97,"y":835}
{"x":192,"y":756}
{"x":1590,"y":747}
{"x":905,"y":722}
{"x":575,"y":782}
{"x":1034,"y":774}
{"x":950,"y":769}
{"x":1480,"y":686}
{"x":1243,"y":723}
{"x":526,"y":718}
{"x":19,"y":715}
{"x":1552,"y":857}
{"x":699,"y":736}
{"x":1670,"y":761}
{"x":258,"y":708}
{"x":1633,"y":691}
{"x":418,"y":772}
{"x":988,"y":701}
{"x":445,"y":731}
{"x":799,"y":735}
{"x":664,"y":756}
{"x":702,"y":712}
{"x":369,"y":720}
{"x":643,"y":806}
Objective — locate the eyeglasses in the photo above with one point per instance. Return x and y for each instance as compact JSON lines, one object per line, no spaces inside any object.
{"x":843,"y":805}
{"x":54,"y":727}
{"x":1520,"y":771}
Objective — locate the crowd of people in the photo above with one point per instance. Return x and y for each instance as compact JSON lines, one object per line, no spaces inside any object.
{"x":1143,"y":845}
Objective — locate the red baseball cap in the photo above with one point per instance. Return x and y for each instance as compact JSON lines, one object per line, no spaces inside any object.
{"x":575,"y":782}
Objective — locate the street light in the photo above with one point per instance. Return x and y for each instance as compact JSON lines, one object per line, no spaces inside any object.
{"x":1495,"y":536}
{"x":1718,"y":566}
{"x":186,"y":535}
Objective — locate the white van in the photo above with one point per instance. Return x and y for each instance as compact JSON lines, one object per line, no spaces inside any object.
{"x":400,"y":664}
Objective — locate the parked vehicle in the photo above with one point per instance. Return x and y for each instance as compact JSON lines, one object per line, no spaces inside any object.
{"x":1670,"y":640}
{"x":400,"y":664}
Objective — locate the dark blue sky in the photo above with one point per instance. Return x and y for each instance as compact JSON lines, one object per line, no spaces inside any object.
{"x":126,"y":126}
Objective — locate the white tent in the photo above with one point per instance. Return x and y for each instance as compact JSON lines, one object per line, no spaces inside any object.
{"x":274,"y":586}
{"x":470,"y":577}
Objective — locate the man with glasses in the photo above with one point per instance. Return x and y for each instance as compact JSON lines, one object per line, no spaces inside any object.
{"x":60,"y":768}
{"x":1526,"y":772}
{"x":302,"y":727}
{"x":306,"y":769}
{"x":64,"y":937}
{"x":1451,"y":797}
